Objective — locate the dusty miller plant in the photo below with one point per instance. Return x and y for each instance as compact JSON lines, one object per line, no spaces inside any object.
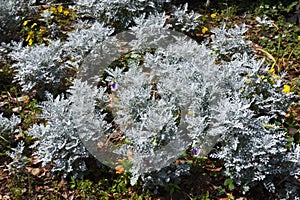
{"x":59,"y":142}
{"x":39,"y":66}
{"x":53,"y":131}
{"x":123,"y":12}
{"x":176,"y":91}
{"x":236,"y":103}
{"x":254,"y":147}
{"x":8,"y":127}
{"x":120,"y":12}
{"x":230,"y":42}
{"x":48,"y":67}
{"x":16,"y":166}
{"x":183,"y":20}
{"x":181,"y":78}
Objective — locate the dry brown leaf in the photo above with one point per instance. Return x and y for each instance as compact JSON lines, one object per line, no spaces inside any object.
{"x":34,"y":160}
{"x":20,"y":135}
{"x":292,"y":131}
{"x":215,"y":169}
{"x":4,"y":197}
{"x":17,"y":109}
{"x":65,"y":195}
{"x":29,"y":169}
{"x":61,"y":183}
{"x":35,"y":171}
{"x":3,"y":103}
{"x":21,"y":99}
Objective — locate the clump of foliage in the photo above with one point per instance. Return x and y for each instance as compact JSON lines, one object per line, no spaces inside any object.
{"x":12,"y":13}
{"x":215,"y":96}
{"x":8,"y":127}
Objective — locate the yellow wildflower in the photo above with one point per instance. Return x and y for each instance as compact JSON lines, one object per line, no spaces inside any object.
{"x":42,"y":31}
{"x":286,"y":89}
{"x":30,"y":42}
{"x":213,"y":15}
{"x":271,"y":70}
{"x":66,"y":12}
{"x":204,"y":30}
{"x":59,"y":9}
{"x":53,"y":9}
{"x":29,"y":36}
{"x":247,"y":81}
{"x":25,"y":22}
{"x":298,"y":37}
{"x":33,"y":25}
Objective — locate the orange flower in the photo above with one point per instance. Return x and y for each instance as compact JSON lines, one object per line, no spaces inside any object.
{"x":119,"y":169}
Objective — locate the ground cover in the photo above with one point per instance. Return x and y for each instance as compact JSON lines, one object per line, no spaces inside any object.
{"x":273,"y":38}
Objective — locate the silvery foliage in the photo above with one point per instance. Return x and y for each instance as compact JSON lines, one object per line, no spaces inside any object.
{"x":59,"y":104}
{"x":181,"y":78}
{"x":212,"y":98}
{"x":183,"y":20}
{"x":41,"y":1}
{"x":264,"y":21}
{"x":220,"y":103}
{"x":120,"y":12}
{"x":3,"y":52}
{"x":45,"y":67}
{"x":254,"y":148}
{"x":59,"y":138}
{"x":123,"y":12}
{"x":84,"y":38}
{"x":230,"y":42}
{"x":18,"y":159}
{"x":8,"y":127}
{"x":146,"y":30}
{"x":39,"y":65}
{"x":12,"y":12}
